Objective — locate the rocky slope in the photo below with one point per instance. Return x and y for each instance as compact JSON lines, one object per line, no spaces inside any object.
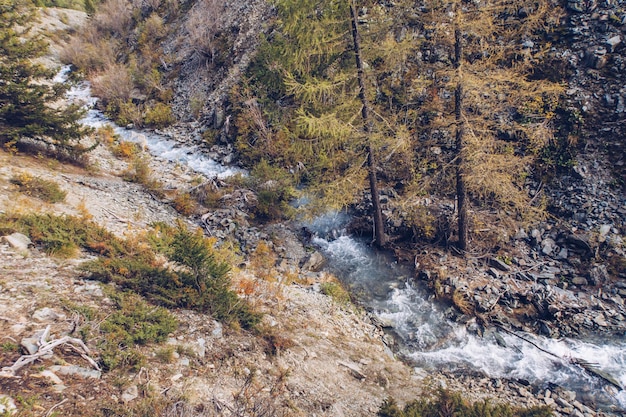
{"x":329,"y":358}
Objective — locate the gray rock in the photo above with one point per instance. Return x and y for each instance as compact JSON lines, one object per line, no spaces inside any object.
{"x":613,"y":42}
{"x":563,"y":403}
{"x":130,"y":393}
{"x":217,"y":331}
{"x":536,"y":234}
{"x":547,"y":246}
{"x":493,"y":272}
{"x":92,"y":288}
{"x":17,"y":241}
{"x":568,"y":395}
{"x":7,"y":405}
{"x":314,"y":263}
{"x":600,"y":320}
{"x":580,"y":281}
{"x":562,"y":254}
{"x":47,"y":314}
{"x":76,"y":370}
{"x":498,"y":264}
{"x":51,"y":376}
{"x":354,"y":370}
{"x":30,"y":344}
{"x":605,"y":229}
{"x":200,"y":347}
{"x":521,"y":234}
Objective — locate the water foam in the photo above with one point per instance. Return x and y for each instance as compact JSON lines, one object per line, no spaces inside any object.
{"x":158,"y":145}
{"x":431,"y":341}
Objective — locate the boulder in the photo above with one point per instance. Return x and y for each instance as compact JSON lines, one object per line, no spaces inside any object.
{"x":17,"y":241}
{"x":47,"y":314}
{"x":314,"y":262}
{"x":76,"y":370}
{"x":130,"y":393}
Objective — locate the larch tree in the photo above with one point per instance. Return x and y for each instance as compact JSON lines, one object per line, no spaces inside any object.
{"x":329,"y":132}
{"x":500,"y":113}
{"x":29,"y":107}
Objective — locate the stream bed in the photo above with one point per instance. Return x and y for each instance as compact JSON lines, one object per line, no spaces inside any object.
{"x":428,"y":340}
{"x":425,"y":337}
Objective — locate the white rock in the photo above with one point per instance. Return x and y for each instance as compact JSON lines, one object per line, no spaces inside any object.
{"x":77,"y":371}
{"x":217,"y":332}
{"x":7,"y":405}
{"x":18,"y":241}
{"x":605,"y":229}
{"x":51,"y":376}
{"x":47,"y":314}
{"x":130,"y":393}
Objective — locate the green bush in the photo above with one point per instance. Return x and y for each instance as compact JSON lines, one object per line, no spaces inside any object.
{"x":48,"y":191}
{"x":336,"y":291}
{"x":201,"y":282}
{"x":448,"y":403}
{"x":159,"y":116}
{"x":137,"y":323}
{"x":62,"y":235}
{"x":274,"y":191}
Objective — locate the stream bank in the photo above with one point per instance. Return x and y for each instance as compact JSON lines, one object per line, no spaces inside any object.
{"x":431,"y":340}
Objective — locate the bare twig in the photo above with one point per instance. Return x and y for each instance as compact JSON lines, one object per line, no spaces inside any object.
{"x":49,"y":412}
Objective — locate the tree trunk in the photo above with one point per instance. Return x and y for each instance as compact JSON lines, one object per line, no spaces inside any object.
{"x":461,"y":188}
{"x":379,"y":226}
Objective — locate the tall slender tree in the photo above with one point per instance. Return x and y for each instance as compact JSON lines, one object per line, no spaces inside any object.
{"x":501,"y":112}
{"x":317,"y":52}
{"x":379,"y":225}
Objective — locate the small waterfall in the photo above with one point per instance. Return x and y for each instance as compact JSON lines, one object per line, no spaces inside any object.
{"x":430,"y":341}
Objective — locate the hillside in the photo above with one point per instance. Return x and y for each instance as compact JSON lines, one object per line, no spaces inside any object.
{"x":314,"y":352}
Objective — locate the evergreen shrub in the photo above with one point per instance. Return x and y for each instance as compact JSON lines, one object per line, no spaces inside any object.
{"x":160,"y":115}
{"x":48,"y":191}
{"x":447,"y":403}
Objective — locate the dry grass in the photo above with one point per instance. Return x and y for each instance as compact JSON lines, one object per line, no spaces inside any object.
{"x":113,"y":84}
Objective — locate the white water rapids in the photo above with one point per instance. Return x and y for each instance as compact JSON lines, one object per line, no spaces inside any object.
{"x":430,"y":341}
{"x":427,"y":338}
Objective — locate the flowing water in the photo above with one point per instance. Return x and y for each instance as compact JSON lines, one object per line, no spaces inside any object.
{"x":160,"y":146}
{"x":430,"y":341}
{"x":426,"y":337}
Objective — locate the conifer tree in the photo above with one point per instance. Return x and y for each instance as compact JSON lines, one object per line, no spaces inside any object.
{"x":500,"y":113}
{"x":379,"y":225}
{"x":322,"y":69}
{"x":28,"y":108}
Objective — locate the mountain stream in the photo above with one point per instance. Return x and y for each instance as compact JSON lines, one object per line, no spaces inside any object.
{"x":425,"y":337}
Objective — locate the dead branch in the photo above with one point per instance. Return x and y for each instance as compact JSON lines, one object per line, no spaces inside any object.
{"x":45,"y":348}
